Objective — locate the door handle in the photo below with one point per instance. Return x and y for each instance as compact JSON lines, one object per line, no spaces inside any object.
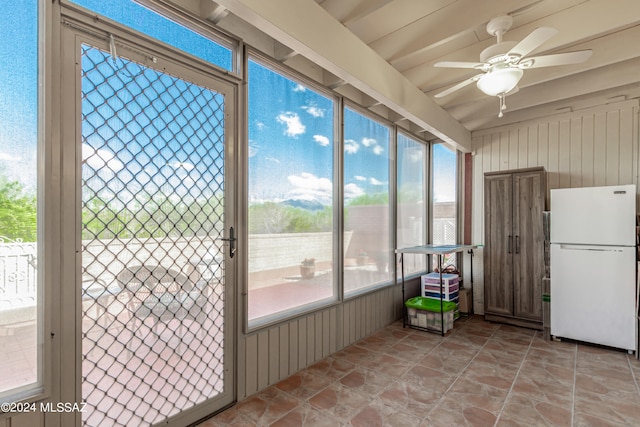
{"x":517,"y":244}
{"x":232,"y":242}
{"x":509,"y":245}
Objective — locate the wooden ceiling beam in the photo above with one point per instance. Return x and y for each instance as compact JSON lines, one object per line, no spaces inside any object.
{"x":306,"y":28}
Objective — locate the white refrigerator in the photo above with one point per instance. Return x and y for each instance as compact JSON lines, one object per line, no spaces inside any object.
{"x":593,"y":265}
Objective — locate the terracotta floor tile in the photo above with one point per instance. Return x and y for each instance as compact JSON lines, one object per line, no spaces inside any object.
{"x":267,"y":406}
{"x":465,"y":413}
{"x":306,"y":415}
{"x":303,"y":385}
{"x":409,"y":352}
{"x":621,"y":408}
{"x":342,"y":402}
{"x":450,"y":363}
{"x":527,"y":409}
{"x":582,"y":420}
{"x":331,"y":367}
{"x":480,"y":374}
{"x":355,"y":354}
{"x":377,"y":343}
{"x":388,"y":365}
{"x":421,"y":339}
{"x":378,"y":412}
{"x":469,"y":393}
{"x":367,"y":381}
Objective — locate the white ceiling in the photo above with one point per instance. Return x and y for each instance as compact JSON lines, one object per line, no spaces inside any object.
{"x":412,"y":35}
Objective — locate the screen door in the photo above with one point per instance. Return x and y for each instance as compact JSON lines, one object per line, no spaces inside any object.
{"x":155,"y":286}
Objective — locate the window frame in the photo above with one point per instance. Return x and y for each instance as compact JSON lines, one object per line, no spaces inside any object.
{"x":392,"y":163}
{"x":183,"y":18}
{"x":252,"y":54}
{"x":457,"y":194}
{"x":47,"y":197}
{"x":427,"y":192}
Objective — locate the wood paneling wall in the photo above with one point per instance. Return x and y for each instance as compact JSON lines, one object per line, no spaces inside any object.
{"x":587,"y":148}
{"x":272,"y":354}
{"x":26,"y":419}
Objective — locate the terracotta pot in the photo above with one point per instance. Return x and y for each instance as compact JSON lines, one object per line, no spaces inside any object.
{"x":307,"y":271}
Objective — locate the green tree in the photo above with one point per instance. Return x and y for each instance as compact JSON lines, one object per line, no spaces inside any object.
{"x":370,"y":199}
{"x":18,"y":211}
{"x":274,"y":218}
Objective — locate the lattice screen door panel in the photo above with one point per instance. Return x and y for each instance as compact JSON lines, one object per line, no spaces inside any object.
{"x":153,"y":270}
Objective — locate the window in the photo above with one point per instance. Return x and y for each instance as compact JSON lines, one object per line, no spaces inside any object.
{"x":291,"y":194}
{"x":139,"y":18}
{"x":21,"y":328}
{"x":444,"y":199}
{"x":412,"y":190}
{"x":367,"y":243}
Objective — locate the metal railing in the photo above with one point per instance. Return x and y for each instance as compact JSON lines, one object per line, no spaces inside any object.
{"x":18,"y":273}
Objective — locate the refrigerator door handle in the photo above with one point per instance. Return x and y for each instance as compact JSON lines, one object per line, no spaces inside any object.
{"x":591,"y":248}
{"x":517,"y":244}
{"x":509,"y":245}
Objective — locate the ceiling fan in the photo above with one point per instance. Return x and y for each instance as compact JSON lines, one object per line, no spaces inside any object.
{"x":502,"y":64}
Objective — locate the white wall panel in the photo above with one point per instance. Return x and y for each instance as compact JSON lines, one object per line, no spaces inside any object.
{"x":283,"y":350}
{"x":586,"y":148}
{"x":294,"y":359}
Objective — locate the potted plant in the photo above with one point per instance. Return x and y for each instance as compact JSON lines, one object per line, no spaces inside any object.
{"x":382,"y":260}
{"x":308,"y":268}
{"x":362,"y":258}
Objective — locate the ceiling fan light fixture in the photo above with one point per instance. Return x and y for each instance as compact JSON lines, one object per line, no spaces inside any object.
{"x":499,"y":80}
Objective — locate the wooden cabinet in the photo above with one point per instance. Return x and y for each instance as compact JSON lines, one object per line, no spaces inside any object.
{"x":514,"y":246}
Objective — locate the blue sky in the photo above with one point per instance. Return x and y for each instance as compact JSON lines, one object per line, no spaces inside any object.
{"x":18,"y":91}
{"x":291,"y":141}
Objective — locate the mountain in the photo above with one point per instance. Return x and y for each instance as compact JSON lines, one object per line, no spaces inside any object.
{"x":310,"y":205}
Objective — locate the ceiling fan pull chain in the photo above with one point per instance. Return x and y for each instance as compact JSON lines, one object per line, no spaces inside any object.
{"x":503,"y":106}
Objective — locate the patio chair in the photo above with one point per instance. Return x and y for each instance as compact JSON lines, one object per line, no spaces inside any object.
{"x":98,"y":294}
{"x":162,"y":295}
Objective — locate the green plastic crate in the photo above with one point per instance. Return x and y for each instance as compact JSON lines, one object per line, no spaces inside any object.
{"x":429,"y":304}
{"x":425,"y":313}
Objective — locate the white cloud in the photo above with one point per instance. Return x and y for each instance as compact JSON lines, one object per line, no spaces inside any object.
{"x":299,"y":88}
{"x":253,"y":148}
{"x":293,"y":124}
{"x":307,"y":186}
{"x":184,"y":165}
{"x":321,"y":140}
{"x":260,"y":125}
{"x":314,"y":110}
{"x":351,"y":146}
{"x":414,"y":154}
{"x":98,"y":159}
{"x":368,"y":142}
{"x":377,"y":150}
{"x":374,"y":181}
{"x":352,"y":191}
{"x":8,"y":157}
{"x":360,"y":178}
{"x":272,"y":159}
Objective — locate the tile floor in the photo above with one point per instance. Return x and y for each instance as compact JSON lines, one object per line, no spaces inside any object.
{"x":480,"y":374}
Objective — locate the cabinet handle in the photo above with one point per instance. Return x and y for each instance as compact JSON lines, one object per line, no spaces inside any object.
{"x":509,"y":249}
{"x":517,"y":244}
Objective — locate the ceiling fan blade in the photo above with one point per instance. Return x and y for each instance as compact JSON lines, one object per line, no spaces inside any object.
{"x":458,"y":86}
{"x":458,"y":64}
{"x":557,"y":59}
{"x":532,"y":41}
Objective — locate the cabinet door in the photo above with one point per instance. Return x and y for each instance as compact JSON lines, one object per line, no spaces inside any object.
{"x":498,"y":283}
{"x":528,"y":256}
